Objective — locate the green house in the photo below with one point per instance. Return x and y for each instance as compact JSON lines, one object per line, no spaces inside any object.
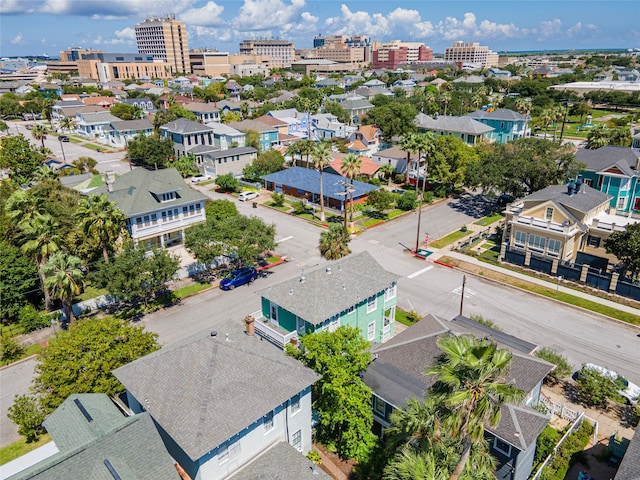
{"x":354,"y":291}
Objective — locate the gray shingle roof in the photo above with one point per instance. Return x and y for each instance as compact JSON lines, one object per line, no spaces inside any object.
{"x":630,"y":464}
{"x":134,"y":191}
{"x":447,"y":123}
{"x":584,"y":201}
{"x":185,"y":126}
{"x":309,"y":180}
{"x":397,"y":373}
{"x":245,"y":125}
{"x":499,"y":114}
{"x":355,"y":104}
{"x":231,"y":152}
{"x":280,"y":462}
{"x":351,"y":280}
{"x":195,"y":389}
{"x":605,"y":157}
{"x":132,"y":446}
{"x":132,"y":125}
{"x":462,"y":324}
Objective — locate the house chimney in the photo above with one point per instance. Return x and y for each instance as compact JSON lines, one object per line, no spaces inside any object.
{"x":250,"y":326}
{"x":578,"y":184}
{"x":570,"y":187}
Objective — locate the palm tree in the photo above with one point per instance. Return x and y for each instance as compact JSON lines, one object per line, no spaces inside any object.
{"x":351,"y":165}
{"x":44,"y":172}
{"x":67,"y":124}
{"x":598,"y":136}
{"x":42,"y":241}
{"x":445,"y":98}
{"x":387,"y":170}
{"x":334,"y":243}
{"x":321,"y":159}
{"x":546,"y":117}
{"x":470,"y":385}
{"x":558,"y":116}
{"x":410,"y":464}
{"x":39,"y":133}
{"x":99,"y":218}
{"x":408,"y":144}
{"x":63,"y":277}
{"x":425,"y":143}
{"x":22,"y":206}
{"x":306,"y":147}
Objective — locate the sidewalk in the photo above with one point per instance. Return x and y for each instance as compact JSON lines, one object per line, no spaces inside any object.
{"x":446,"y":251}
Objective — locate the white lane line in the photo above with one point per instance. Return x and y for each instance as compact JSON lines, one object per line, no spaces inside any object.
{"x":284,"y":239}
{"x":420,"y":272}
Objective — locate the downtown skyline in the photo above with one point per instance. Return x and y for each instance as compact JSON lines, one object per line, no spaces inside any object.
{"x":37,"y":27}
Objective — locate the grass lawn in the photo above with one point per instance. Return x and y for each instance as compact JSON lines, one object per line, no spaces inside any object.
{"x":282,"y":208}
{"x":20,"y":447}
{"x":273,"y":259}
{"x":404,"y":317}
{"x":190,"y":290}
{"x":449,"y":239}
{"x":395,"y":213}
{"x":90,"y":292}
{"x":75,"y":140}
{"x":489,"y":219}
{"x":373,"y":221}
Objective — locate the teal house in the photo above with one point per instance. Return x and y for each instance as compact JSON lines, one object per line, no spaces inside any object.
{"x":268,"y":135}
{"x":507,"y":125}
{"x":354,"y":291}
{"x":614,"y":170}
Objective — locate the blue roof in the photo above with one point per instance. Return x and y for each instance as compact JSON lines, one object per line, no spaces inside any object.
{"x":308,"y":180}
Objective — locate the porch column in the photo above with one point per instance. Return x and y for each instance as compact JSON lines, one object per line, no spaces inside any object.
{"x":527,"y":259}
{"x":554,"y":266}
{"x":614,"y":282}
{"x":583,"y":273}
{"x":161,"y":236}
{"x":503,"y":252}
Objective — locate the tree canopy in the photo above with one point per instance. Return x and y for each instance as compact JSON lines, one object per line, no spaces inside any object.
{"x":19,"y":157}
{"x":81,"y":359}
{"x":626,"y":247}
{"x":150,"y":151}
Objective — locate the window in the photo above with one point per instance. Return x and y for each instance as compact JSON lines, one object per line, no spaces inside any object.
{"x":536,"y":242}
{"x":334,"y":323}
{"x":170,"y":215}
{"x":296,"y":440}
{"x":379,"y":406}
{"x":390,"y":292}
{"x":371,"y":303}
{"x":147,"y":220}
{"x":350,"y":310}
{"x":620,"y":203}
{"x":502,"y":446}
{"x":625,"y":183}
{"x":267,"y":421}
{"x":371,"y":331}
{"x":166,"y":197}
{"x":521,"y":238}
{"x":223,"y":455}
{"x":553,"y":248}
{"x":636,"y":203}
{"x":549,"y":213}
{"x":295,"y":403}
{"x":593,"y":241}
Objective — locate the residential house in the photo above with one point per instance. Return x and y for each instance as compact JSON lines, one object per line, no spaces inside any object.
{"x":396,"y":157}
{"x":406,"y":85}
{"x":357,"y":108}
{"x":325,"y":126}
{"x":225,"y":137}
{"x":298,"y":122}
{"x":93,"y":439}
{"x":368,"y":93}
{"x":507,"y":125}
{"x":206,"y":112}
{"x":615,"y":171}
{"x":354,"y":291}
{"x":558,"y":222}
{"x":370,"y":136}
{"x":304,"y":183}
{"x":144,"y":103}
{"x":467,"y":129}
{"x":118,"y":134}
{"x":374,"y":82}
{"x":65,"y":108}
{"x":187,"y":135}
{"x":224,"y":400}
{"x":181,"y":100}
{"x":397,"y":375}
{"x":282,"y":126}
{"x":368,"y":168}
{"x":104,"y":102}
{"x":221,"y":162}
{"x":158,"y":205}
{"x":268,"y":136}
{"x":93,"y":124}
{"x":234,"y":88}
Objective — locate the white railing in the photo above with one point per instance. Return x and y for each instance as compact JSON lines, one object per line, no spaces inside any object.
{"x":271,"y":334}
{"x":576,"y":424}
{"x":558,"y":409}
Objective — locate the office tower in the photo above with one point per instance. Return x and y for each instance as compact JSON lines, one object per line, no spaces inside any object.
{"x":165,"y":39}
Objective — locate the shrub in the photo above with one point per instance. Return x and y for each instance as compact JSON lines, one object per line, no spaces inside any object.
{"x":428,"y":197}
{"x":547,"y":440}
{"x":278,"y":199}
{"x":375,"y":181}
{"x":413,"y":316}
{"x":299,"y":208}
{"x":489,"y":323}
{"x":315,"y":457}
{"x":10,"y":348}
{"x":228,"y":183}
{"x":27,"y":413}
{"x":31,"y":319}
{"x":562,"y":366}
{"x":568,"y":453}
{"x":407,"y":201}
{"x":399,"y":178}
{"x":594,"y":387}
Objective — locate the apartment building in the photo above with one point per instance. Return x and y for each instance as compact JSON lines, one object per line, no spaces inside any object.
{"x":394,"y":53}
{"x":68,"y":62}
{"x":213,"y":63}
{"x":106,"y":67}
{"x":341,"y":48}
{"x":281,"y":52}
{"x":471,"y":53}
{"x":165,"y":38}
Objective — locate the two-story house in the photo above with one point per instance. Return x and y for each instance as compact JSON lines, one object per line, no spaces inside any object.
{"x":224,"y":400}
{"x":397,"y":375}
{"x":144,"y":103}
{"x":559,"y":221}
{"x":369,"y":136}
{"x":118,"y":134}
{"x":158,"y":205}
{"x":615,"y":171}
{"x":93,"y":124}
{"x":467,"y":129}
{"x":206,"y":112}
{"x":93,"y":439}
{"x":298,"y":123}
{"x":268,"y":136}
{"x":225,"y":137}
{"x":354,"y":291}
{"x":221,"y":162}
{"x":507,"y":125}
{"x":187,"y":135}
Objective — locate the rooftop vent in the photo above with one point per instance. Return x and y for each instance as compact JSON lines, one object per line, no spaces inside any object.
{"x":570,"y":188}
{"x":112,"y":470}
{"x":578,"y":184}
{"x":328,"y":270}
{"x":214,"y":333}
{"x":83,"y":410}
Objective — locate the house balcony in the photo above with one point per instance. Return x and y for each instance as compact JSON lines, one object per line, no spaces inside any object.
{"x":271,"y":332}
{"x":547,"y":225}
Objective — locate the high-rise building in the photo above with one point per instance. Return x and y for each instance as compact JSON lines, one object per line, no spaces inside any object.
{"x":165,"y":39}
{"x":392,"y":54}
{"x":471,"y":53}
{"x":281,"y":52}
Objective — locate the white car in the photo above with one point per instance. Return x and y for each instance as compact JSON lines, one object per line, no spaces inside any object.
{"x":200,"y":178}
{"x":631,"y":391}
{"x":248,"y":195}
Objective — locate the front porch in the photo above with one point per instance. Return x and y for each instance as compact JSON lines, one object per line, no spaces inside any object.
{"x":272,"y":332}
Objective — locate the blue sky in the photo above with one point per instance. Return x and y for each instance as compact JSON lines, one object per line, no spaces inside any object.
{"x":47,"y":26}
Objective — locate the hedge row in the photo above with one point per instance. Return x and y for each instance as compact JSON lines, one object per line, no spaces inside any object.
{"x":568,"y":453}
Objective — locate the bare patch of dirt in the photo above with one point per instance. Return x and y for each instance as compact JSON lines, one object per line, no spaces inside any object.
{"x":345,"y":467}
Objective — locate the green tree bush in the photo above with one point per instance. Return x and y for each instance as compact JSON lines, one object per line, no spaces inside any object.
{"x":278,"y":199}
{"x":227,"y":183}
{"x":10,"y":348}
{"x":407,"y":201}
{"x":562,"y":366}
{"x":565,"y":456}
{"x":28,"y":414}
{"x":594,"y":387}
{"x":30,"y":319}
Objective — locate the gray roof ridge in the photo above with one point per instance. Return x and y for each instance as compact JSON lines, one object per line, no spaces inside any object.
{"x":383,"y":347}
{"x":204,"y":400}
{"x":532,"y":357}
{"x":516,"y":424}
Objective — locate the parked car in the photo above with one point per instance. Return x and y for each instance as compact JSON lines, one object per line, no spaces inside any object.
{"x":631,"y":391}
{"x":63,"y":138}
{"x":239,"y":277}
{"x":248,"y":195}
{"x":200,"y":178}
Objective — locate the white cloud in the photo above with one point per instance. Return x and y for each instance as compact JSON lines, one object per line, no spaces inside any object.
{"x":580,"y":30}
{"x":361,"y":22}
{"x":17,"y":40}
{"x":15,"y":6}
{"x":114,"y":9}
{"x":256,"y":15}
{"x":126,"y":35}
{"x":549,"y":28}
{"x":210,"y":14}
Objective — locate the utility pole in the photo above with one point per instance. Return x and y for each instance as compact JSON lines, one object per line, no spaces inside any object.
{"x":564,"y":119}
{"x":464,"y":281}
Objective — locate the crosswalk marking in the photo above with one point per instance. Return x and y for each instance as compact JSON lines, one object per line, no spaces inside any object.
{"x":420,"y":272}
{"x":467,"y":291}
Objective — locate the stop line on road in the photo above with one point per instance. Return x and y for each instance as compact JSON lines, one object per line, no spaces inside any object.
{"x":420,"y":272}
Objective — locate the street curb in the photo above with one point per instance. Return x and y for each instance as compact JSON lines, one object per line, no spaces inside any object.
{"x":18,"y":362}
